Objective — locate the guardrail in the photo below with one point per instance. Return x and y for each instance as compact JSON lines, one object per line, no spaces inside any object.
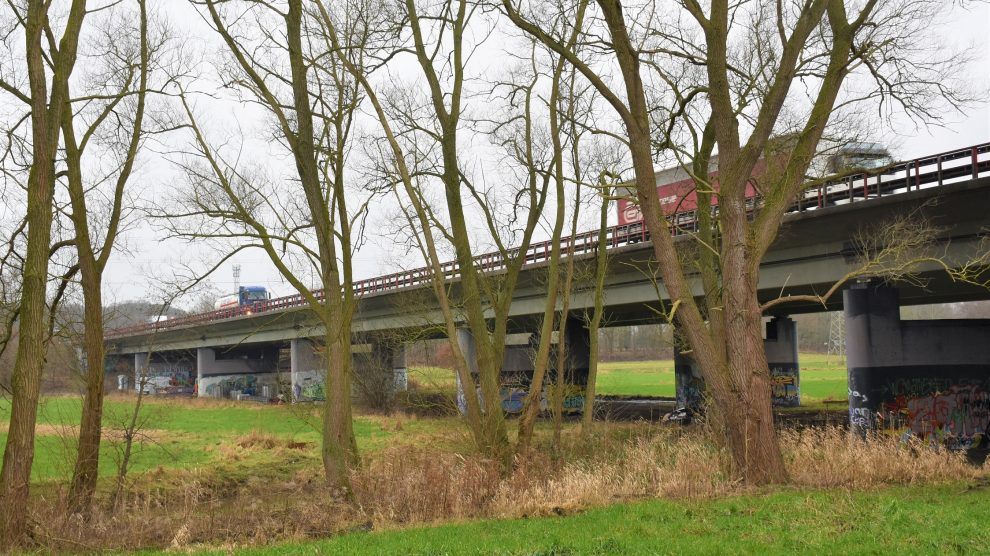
{"x":921,"y":173}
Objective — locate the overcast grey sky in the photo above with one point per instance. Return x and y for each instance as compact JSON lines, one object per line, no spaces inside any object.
{"x":130,"y":274}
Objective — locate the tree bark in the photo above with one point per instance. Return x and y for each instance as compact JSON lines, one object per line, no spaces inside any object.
{"x":31,"y":345}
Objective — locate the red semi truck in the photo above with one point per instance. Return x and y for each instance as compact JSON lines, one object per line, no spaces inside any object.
{"x":678,"y":192}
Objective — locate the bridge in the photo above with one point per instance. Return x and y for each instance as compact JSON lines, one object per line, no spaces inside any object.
{"x":813,"y":250}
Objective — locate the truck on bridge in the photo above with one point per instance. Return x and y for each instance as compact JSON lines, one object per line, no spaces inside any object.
{"x":245,"y":295}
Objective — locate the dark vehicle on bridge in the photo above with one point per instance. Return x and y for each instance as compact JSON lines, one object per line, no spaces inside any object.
{"x":245,"y":296}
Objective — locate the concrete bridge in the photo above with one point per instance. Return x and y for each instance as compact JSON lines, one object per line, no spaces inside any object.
{"x":233,"y":349}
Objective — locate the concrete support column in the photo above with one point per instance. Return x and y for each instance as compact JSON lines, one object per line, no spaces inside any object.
{"x":305,"y":370}
{"x":140,"y":370}
{"x":873,"y":337}
{"x":466,"y":343}
{"x":577,"y":340}
{"x":688,"y":382}
{"x":387,"y":358}
{"x":204,"y":356}
{"x":400,"y":372}
{"x":781,"y":345}
{"x":119,"y":371}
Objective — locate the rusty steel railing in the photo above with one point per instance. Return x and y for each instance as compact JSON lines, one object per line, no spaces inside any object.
{"x":920,"y":173}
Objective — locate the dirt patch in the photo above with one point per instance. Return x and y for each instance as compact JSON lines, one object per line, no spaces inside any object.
{"x":270,"y":442}
{"x":48,"y":429}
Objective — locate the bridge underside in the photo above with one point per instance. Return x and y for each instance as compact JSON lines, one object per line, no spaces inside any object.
{"x":812,"y":253}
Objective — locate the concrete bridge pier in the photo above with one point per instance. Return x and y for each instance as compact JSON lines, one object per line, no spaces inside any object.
{"x":518,"y":364}
{"x":118,"y":372}
{"x":923,"y":378}
{"x":391,"y":356}
{"x":689,"y":385}
{"x":307,"y":370}
{"x":781,"y":346}
{"x":140,"y":369}
{"x":380,"y":372}
{"x":578,"y":349}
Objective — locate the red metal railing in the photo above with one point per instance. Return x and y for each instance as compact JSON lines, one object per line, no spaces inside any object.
{"x":929,"y":171}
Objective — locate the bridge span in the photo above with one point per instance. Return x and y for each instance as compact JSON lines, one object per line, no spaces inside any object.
{"x":815,"y":248}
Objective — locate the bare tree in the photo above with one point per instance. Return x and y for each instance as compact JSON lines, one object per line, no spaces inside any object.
{"x":725,"y":75}
{"x":555,"y":318}
{"x":50,"y":62}
{"x":425,"y":150}
{"x":278,"y":59}
{"x":113,"y":118}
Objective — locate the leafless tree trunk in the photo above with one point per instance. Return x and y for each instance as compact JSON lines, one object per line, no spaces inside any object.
{"x":316,"y":220}
{"x":46,"y":117}
{"x":92,"y":258}
{"x":594,"y":323}
{"x":551,"y":318}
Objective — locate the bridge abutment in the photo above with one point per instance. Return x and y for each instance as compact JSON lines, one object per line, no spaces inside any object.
{"x":923,"y":378}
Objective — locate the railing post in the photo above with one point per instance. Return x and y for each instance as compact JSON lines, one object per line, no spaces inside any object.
{"x":975,"y":163}
{"x":917,"y":174}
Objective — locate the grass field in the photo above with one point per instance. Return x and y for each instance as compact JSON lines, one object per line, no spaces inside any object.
{"x":821,"y":378}
{"x":909,"y":520}
{"x":241,"y":476}
{"x":194,"y":429}
{"x":183,"y":433}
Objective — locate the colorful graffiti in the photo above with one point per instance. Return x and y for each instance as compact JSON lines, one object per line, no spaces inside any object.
{"x":785,"y":390}
{"x":308,"y":386}
{"x":168,"y":378}
{"x":689,"y":387}
{"x":221,"y":387}
{"x":946,"y":406}
{"x":957,"y":417}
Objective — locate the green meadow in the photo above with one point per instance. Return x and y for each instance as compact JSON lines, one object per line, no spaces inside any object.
{"x":897,"y":520}
{"x":179,"y":433}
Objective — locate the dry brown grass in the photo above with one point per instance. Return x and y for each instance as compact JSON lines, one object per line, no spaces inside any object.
{"x":232,"y":506}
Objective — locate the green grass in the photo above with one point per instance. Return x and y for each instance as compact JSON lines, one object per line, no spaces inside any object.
{"x":433,"y":378}
{"x":903,"y":520}
{"x":636,"y":378}
{"x":55,"y":456}
{"x":821,"y":378}
{"x":184,"y":434}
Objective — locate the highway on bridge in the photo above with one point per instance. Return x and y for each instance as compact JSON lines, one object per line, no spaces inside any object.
{"x":814,"y":249}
